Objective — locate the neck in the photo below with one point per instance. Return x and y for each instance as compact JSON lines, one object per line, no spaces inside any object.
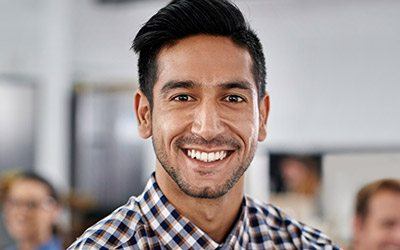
{"x":27,"y":245}
{"x":216,"y":217}
{"x":33,"y":243}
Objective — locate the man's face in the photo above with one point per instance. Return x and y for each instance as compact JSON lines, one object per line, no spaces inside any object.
{"x":206,"y":117}
{"x":29,"y":211}
{"x":380,"y":229}
{"x":295,"y":174}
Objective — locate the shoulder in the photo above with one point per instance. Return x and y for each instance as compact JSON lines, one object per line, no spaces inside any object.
{"x":53,"y":243}
{"x":121,"y":227}
{"x":283,"y":228}
{"x":10,"y":247}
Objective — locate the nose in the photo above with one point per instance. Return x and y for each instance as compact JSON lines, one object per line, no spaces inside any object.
{"x":207,"y":121}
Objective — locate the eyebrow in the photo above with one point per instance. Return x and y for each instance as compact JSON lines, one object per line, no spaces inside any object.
{"x":236,"y":85}
{"x":190,"y":85}
{"x":178,"y":85}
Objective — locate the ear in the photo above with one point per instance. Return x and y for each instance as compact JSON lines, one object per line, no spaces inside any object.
{"x":263,"y":107}
{"x":143,"y":114}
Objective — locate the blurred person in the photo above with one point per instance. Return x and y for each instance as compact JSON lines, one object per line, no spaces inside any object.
{"x":300,"y":175}
{"x":6,"y":178}
{"x":202,"y":99}
{"x":376,"y":224}
{"x":31,"y":209}
{"x":300,"y":197}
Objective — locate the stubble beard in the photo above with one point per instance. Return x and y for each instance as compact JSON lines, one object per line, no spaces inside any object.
{"x":205,"y":192}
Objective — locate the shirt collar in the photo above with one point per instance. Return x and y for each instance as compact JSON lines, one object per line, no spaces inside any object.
{"x":173,"y":229}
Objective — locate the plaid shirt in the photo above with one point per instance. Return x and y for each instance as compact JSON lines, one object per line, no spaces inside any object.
{"x":151,"y":222}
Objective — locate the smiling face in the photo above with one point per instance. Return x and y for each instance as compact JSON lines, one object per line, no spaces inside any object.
{"x":380,"y":229}
{"x":29,"y":211}
{"x":206,"y":117}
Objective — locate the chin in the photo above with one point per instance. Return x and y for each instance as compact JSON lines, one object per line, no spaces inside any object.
{"x":205,"y":193}
{"x":211,"y":191}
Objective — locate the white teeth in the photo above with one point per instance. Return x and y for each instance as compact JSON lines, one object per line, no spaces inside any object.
{"x":206,"y":157}
{"x":210,"y":157}
{"x":223,"y":155}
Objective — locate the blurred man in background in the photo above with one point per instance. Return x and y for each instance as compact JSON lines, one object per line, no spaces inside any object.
{"x":377,"y":216}
{"x":31,"y":209}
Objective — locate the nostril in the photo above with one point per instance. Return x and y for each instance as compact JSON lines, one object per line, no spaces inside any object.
{"x":207,"y":129}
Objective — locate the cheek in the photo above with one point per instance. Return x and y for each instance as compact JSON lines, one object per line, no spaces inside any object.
{"x":247,"y":131}
{"x":47,"y":222}
{"x":376,"y":232}
{"x":245,"y":124}
{"x":170,"y":123}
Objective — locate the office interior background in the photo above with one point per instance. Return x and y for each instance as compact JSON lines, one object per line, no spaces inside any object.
{"x":67,"y":78}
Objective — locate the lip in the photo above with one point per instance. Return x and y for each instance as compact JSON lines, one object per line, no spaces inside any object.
{"x":207,"y":150}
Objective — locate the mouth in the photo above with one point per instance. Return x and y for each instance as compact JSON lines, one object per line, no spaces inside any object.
{"x":211,"y":156}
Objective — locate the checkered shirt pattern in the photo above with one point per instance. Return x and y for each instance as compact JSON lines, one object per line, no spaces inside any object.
{"x":149,"y":221}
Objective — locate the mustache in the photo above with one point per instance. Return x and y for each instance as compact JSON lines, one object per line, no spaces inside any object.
{"x":215,"y":142}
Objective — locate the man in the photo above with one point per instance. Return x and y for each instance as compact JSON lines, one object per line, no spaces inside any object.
{"x":202,"y":100}
{"x":30,"y":213}
{"x":377,"y":216}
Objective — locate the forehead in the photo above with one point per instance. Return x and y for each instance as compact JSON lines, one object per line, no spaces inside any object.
{"x":383,"y":203}
{"x":205,"y":59}
{"x":25,"y":188}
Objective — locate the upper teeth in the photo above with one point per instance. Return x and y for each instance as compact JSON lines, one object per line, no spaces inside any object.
{"x":206,"y":157}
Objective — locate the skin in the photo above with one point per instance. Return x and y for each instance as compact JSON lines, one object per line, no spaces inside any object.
{"x":380,"y":229}
{"x":299,"y":178}
{"x":205,"y":98}
{"x":30,"y":227}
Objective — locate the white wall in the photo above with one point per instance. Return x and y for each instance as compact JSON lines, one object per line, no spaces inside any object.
{"x":104,"y":35}
{"x":333,"y":72}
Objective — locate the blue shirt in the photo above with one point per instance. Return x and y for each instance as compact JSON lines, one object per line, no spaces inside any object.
{"x":53,"y":244}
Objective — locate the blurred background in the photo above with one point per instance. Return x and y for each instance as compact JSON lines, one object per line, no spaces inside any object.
{"x":67,"y":78}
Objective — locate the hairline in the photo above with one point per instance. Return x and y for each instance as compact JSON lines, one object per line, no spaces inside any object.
{"x":367,"y":193}
{"x":32,"y":177}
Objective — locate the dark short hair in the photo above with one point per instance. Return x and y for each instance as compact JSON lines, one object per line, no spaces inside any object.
{"x":184,"y":18}
{"x":368,"y":191}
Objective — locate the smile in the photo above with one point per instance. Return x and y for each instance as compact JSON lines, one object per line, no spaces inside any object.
{"x":206,"y":156}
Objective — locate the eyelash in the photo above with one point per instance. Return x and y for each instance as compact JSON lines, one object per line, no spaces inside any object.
{"x":176,"y":98}
{"x":241,"y":99}
{"x":226,"y":98}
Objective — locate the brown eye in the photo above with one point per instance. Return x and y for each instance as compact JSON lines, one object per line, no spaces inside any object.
{"x":234,"y":99}
{"x":183,"y":98}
